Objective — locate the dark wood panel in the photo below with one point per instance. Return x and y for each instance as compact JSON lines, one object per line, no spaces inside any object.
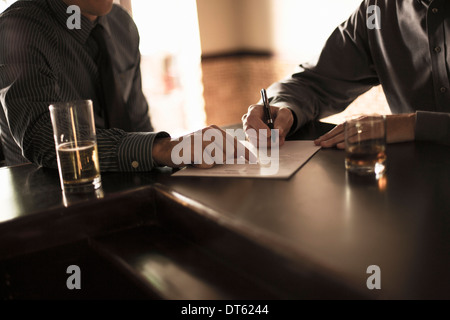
{"x":175,"y":268}
{"x":255,"y":255}
{"x":311,"y":236}
{"x":43,"y":276}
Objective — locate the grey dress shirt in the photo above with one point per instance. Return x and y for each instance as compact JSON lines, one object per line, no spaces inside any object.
{"x":42,"y":61}
{"x":408,"y":56}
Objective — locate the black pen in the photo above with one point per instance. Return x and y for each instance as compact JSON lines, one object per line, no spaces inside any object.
{"x":268,"y":114}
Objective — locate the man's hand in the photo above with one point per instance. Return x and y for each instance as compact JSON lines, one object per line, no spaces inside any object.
{"x":254,"y":119}
{"x":203,"y":154}
{"x":399,"y":128}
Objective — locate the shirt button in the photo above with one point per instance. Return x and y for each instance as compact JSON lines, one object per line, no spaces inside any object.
{"x":437,"y":49}
{"x":443,"y":89}
{"x":135,"y":164}
{"x":435,"y":10}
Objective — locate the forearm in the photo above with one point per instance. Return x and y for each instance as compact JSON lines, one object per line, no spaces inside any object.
{"x":312,"y":96}
{"x":400,"y":128}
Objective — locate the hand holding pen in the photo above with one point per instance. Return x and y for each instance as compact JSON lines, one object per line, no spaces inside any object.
{"x":263,"y":116}
{"x":268,"y":115}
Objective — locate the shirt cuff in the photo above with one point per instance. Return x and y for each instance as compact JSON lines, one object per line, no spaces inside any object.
{"x":135,"y":151}
{"x":433,"y":126}
{"x":295,"y":125}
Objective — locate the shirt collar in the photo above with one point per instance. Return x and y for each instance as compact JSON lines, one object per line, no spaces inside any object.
{"x":103,"y":21}
{"x":425,"y":2}
{"x":59,"y":8}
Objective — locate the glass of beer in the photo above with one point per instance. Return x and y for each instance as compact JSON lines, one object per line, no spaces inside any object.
{"x":76,"y":145}
{"x":365,"y":144}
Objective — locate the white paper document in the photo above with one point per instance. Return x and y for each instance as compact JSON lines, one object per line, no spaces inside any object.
{"x":276,"y":165}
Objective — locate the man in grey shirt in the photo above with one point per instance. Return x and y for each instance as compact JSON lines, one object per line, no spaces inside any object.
{"x":406,"y":52}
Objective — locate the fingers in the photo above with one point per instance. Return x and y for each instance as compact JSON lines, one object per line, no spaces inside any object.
{"x":337,"y":136}
{"x":332,"y":138}
{"x":232,"y":148}
{"x":253,"y":121}
{"x":242,"y":154}
{"x":257,"y":130}
{"x":254,"y":117}
{"x":218,"y":147}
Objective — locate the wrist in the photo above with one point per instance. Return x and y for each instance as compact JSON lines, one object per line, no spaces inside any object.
{"x":294,"y":122}
{"x":401,"y":128}
{"x":162,"y":152}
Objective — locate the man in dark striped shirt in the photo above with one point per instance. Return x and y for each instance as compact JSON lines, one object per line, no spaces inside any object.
{"x":42,"y":61}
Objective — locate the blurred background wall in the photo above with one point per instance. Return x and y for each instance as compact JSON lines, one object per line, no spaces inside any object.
{"x":248,"y":44}
{"x":218,"y":54}
{"x":205,"y":61}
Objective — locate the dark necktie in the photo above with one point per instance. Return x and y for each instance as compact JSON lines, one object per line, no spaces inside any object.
{"x":110,"y":96}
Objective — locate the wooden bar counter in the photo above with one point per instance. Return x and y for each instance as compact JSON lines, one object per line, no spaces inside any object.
{"x":154,"y":236}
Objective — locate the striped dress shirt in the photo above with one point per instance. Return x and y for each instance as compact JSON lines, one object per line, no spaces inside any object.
{"x":42,"y":61}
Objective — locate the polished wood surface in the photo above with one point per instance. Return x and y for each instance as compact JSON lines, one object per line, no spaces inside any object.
{"x":309,"y":237}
